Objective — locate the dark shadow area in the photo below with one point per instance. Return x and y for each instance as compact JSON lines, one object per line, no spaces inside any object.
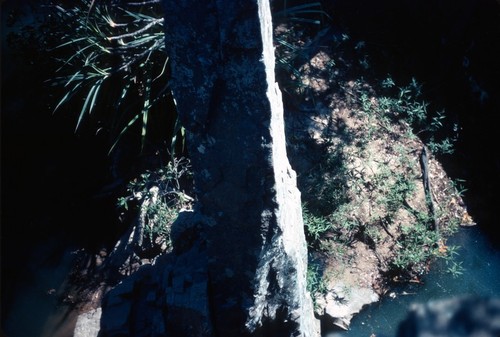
{"x":59,"y":186}
{"x":51,"y":177}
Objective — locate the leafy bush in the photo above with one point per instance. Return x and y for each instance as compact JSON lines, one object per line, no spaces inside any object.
{"x":316,"y":284}
{"x":315,"y":226}
{"x":158,"y":196}
{"x":416,"y":246}
{"x":355,"y":194}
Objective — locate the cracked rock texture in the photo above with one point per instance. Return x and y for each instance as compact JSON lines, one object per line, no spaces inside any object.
{"x":239,"y":260}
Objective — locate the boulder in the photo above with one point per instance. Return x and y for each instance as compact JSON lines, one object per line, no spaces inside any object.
{"x":342,"y":303}
{"x":88,"y":323}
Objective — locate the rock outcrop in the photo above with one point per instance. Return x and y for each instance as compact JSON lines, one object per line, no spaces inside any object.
{"x":88,"y":323}
{"x":253,"y":242}
{"x":239,"y":260}
{"x":339,"y":305}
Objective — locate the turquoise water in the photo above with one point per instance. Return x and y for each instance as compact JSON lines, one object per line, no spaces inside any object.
{"x":480,"y":260}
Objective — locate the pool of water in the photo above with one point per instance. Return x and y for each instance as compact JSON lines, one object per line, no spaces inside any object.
{"x":480,"y":262}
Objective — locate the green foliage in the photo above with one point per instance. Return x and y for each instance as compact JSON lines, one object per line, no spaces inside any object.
{"x":458,"y":186}
{"x":405,"y":105}
{"x":316,"y":284}
{"x":357,"y":195}
{"x":346,"y":226}
{"x":114,"y":65}
{"x":393,"y":188}
{"x":316,"y":226}
{"x":159,"y":196}
{"x":167,"y":179}
{"x":159,"y":218}
{"x":443,"y":147}
{"x":453,"y":267}
{"x":416,"y":246}
{"x":408,"y":107}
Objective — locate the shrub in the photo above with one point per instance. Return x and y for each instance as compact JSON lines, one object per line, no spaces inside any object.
{"x":158,"y":196}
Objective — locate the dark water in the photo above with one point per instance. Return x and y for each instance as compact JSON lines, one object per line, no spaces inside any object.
{"x":50,"y":177}
{"x":480,"y":260}
{"x":36,"y":309}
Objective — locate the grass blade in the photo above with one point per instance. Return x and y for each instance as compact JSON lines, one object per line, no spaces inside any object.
{"x":85,"y":105}
{"x":68,"y":96}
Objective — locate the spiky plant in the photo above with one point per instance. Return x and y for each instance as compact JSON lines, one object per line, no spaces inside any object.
{"x":114,"y":67}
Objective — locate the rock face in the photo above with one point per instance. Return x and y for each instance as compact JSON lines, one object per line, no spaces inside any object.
{"x":252,"y":241}
{"x":459,"y":317}
{"x":88,"y":324}
{"x":239,"y":260}
{"x":341,"y":303}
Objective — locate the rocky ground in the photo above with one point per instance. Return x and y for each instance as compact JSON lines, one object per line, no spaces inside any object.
{"x":328,"y":114}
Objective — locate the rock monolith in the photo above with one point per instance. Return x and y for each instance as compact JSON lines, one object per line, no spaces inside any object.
{"x":239,"y":260}
{"x":247,"y":242}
